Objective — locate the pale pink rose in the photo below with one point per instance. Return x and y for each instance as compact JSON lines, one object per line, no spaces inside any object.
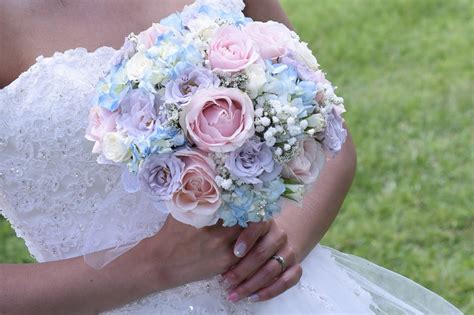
{"x":305,"y":167}
{"x":271,"y":37}
{"x":147,"y":38}
{"x":218,"y":119}
{"x":197,"y":201}
{"x":231,"y":50}
{"x":101,"y":122}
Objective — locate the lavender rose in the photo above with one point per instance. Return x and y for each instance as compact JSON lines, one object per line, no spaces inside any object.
{"x":335,"y":133}
{"x":253,"y":163}
{"x":160,"y":176}
{"x":138,"y":113}
{"x":189,"y":79}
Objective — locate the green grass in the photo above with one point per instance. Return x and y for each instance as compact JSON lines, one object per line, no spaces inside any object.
{"x":405,"y":69}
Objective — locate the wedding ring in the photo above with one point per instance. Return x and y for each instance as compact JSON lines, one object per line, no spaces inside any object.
{"x":281,"y":261}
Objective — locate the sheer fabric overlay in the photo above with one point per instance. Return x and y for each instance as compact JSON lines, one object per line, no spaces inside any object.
{"x":64,"y":204}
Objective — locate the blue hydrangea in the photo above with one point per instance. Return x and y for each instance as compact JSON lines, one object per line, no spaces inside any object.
{"x":281,"y":79}
{"x":173,"y":21}
{"x":112,"y":88}
{"x":249,"y":204}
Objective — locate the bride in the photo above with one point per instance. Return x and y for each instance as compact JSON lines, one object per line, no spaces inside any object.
{"x":51,"y":191}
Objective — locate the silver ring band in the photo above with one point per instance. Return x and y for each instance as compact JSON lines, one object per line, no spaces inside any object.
{"x":281,"y":261}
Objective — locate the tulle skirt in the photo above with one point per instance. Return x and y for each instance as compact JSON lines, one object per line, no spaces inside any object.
{"x":332,"y":283}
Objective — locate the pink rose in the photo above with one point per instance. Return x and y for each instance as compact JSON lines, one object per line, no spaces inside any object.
{"x":305,"y":166}
{"x":101,"y":122}
{"x":218,"y":119}
{"x":197,"y":201}
{"x":147,"y":38}
{"x":231,"y":50}
{"x":272,"y":38}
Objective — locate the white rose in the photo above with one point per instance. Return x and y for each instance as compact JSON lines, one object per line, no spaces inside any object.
{"x":138,"y":66}
{"x":204,"y":27}
{"x":304,"y":55}
{"x":256,"y":79}
{"x":116,"y":147}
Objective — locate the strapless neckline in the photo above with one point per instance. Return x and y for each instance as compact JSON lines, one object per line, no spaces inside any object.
{"x":56,"y":54}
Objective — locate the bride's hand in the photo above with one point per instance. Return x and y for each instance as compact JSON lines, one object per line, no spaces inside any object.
{"x":183,"y":254}
{"x":259,"y":276}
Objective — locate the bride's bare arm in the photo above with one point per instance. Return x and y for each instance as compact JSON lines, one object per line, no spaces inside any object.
{"x":178,"y":254}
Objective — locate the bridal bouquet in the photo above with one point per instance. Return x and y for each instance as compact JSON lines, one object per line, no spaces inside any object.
{"x":215,"y":116}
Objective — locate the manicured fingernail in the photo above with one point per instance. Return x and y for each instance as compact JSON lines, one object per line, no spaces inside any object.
{"x":239,"y":249}
{"x":233,"y":297}
{"x":253,"y":298}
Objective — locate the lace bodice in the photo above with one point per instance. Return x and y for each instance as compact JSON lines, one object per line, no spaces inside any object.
{"x":50,"y":183}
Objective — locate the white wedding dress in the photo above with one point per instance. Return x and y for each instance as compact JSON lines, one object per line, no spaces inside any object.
{"x":51,"y":189}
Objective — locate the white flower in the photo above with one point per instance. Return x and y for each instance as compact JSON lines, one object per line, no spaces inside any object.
{"x":259,"y":128}
{"x":304,"y":55}
{"x":256,"y":79}
{"x":116,"y":147}
{"x":164,"y":50}
{"x":294,"y":192}
{"x":138,"y":66}
{"x":303,"y":124}
{"x":227,"y":184}
{"x":265,"y":121}
{"x":203,"y":26}
{"x":259,"y":112}
{"x":317,"y":122}
{"x":270,"y":141}
{"x":294,"y":130}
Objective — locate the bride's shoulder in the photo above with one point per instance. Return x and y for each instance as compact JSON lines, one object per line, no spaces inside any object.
{"x":10,"y":35}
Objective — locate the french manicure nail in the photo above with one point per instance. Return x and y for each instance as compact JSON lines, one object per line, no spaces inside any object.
{"x":233,"y":297}
{"x":239,"y":249}
{"x":253,"y":298}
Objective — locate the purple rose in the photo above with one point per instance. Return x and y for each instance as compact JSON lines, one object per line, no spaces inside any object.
{"x":160,"y":176}
{"x":335,"y":134}
{"x":138,"y":113}
{"x":189,"y":79}
{"x":253,"y":163}
{"x":304,"y":72}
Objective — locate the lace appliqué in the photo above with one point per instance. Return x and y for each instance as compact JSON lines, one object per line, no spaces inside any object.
{"x":50,"y":183}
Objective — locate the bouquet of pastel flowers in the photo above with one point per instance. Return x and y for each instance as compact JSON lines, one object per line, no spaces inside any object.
{"x":215,"y":116}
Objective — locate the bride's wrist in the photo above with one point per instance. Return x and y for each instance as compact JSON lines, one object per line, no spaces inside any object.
{"x":149,"y":267}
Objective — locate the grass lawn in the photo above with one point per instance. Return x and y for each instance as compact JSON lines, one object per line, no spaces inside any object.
{"x":405,"y":69}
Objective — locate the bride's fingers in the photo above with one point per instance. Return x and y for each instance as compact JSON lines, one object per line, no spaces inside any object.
{"x":249,"y":237}
{"x":264,"y":277}
{"x":259,"y":255}
{"x":289,"y":278}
